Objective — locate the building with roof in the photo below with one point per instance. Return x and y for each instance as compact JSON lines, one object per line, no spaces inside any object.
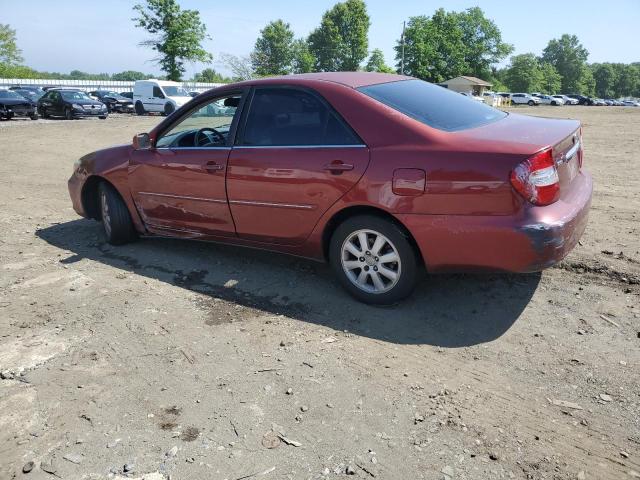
{"x":463,"y":84}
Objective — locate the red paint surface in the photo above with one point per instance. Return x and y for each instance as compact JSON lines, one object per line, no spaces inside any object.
{"x":468,"y":216}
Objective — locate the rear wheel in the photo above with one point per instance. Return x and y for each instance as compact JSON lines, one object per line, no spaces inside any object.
{"x":373,"y":260}
{"x":116,"y":221}
{"x":139,"y":108}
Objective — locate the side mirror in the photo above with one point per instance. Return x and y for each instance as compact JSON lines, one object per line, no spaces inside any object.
{"x":142,"y":141}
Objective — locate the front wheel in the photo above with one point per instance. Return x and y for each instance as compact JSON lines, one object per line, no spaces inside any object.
{"x":168,"y":108}
{"x":373,"y":259}
{"x":116,"y":221}
{"x":68,"y":114}
{"x":102,"y":117}
{"x":33,"y":116}
{"x":531,"y":103}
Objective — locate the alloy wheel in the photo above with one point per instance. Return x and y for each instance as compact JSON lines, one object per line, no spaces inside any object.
{"x":106,"y":218}
{"x":371,"y":261}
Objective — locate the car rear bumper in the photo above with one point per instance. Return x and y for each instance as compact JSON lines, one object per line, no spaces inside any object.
{"x":535,"y":239}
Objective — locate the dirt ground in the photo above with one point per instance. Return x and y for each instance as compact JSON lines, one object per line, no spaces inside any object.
{"x":183,"y":360}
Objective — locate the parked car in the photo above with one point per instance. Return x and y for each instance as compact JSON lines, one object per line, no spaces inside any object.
{"x":114,"y":101}
{"x":549,"y":100}
{"x":396,"y":174}
{"x":630,"y":103}
{"x":524,"y":99}
{"x":159,"y":96}
{"x":598,"y":102}
{"x":70,"y":104}
{"x":567,"y":100}
{"x":29,"y":92}
{"x":582,"y":100}
{"x":128,"y":95}
{"x":13,"y":104}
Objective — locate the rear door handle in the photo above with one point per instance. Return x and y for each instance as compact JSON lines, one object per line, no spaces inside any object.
{"x":338,"y":166}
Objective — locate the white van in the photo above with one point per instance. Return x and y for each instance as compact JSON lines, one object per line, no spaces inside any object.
{"x":160,"y":96}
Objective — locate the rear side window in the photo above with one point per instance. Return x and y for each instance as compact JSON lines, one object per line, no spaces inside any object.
{"x":293,"y":117}
{"x":433,"y":105}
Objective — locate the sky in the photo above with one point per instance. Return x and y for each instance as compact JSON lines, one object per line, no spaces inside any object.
{"x":99,"y":36}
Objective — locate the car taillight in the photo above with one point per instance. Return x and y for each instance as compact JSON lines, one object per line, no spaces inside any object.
{"x":536,"y":179}
{"x":580,"y":150}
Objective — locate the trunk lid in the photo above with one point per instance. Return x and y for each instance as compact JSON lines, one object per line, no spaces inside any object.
{"x":521,"y":136}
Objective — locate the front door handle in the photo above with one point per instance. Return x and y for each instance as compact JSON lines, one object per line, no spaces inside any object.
{"x":213,"y":167}
{"x":338,"y":166}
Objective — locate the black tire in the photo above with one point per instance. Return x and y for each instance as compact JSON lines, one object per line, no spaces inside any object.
{"x":139,"y":108}
{"x":114,"y":214}
{"x":554,"y":103}
{"x":169,"y":108}
{"x":102,"y":117}
{"x":68,"y":114}
{"x":406,"y":268}
{"x":44,"y":113}
{"x":34,"y":116}
{"x":531,"y":103}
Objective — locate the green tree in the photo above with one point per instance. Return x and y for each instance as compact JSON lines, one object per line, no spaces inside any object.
{"x":303,"y":60}
{"x":605,"y":76}
{"x":482,"y":39}
{"x":273,"y":51}
{"x":130,"y":76}
{"x":550,"y":79}
{"x":209,"y":75}
{"x":524,"y":74}
{"x":178,"y":34}
{"x":376,"y":63}
{"x":340,"y":43}
{"x":9,"y":51}
{"x":569,"y":58}
{"x":626,"y":81}
{"x":434,"y":47}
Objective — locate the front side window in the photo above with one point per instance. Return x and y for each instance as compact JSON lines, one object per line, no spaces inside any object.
{"x":174,"y":91}
{"x":293,"y":117}
{"x":207,"y":126}
{"x":157,"y":92}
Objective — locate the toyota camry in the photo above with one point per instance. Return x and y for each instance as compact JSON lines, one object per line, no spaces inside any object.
{"x":378,"y":174}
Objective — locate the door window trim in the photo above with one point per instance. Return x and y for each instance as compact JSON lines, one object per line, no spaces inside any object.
{"x":243,"y":92}
{"x":239,"y":138}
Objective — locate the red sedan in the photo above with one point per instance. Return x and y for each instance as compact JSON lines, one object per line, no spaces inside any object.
{"x":377,"y":174}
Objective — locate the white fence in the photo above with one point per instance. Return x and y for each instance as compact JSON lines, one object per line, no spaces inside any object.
{"x":119,"y":86}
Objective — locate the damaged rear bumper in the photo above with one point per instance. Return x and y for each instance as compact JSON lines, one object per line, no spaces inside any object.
{"x":535,"y":239}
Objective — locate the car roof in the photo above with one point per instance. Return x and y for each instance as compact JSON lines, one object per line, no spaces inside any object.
{"x":349,"y":79}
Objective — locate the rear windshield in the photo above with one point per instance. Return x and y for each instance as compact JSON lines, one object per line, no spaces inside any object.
{"x":433,"y":105}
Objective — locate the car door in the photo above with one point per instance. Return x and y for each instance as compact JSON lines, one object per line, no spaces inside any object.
{"x":157,"y":99}
{"x":57,"y":104}
{"x":294,"y":158}
{"x":179,"y":184}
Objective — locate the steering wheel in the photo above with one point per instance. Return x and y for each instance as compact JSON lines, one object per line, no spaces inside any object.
{"x":204,"y":137}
